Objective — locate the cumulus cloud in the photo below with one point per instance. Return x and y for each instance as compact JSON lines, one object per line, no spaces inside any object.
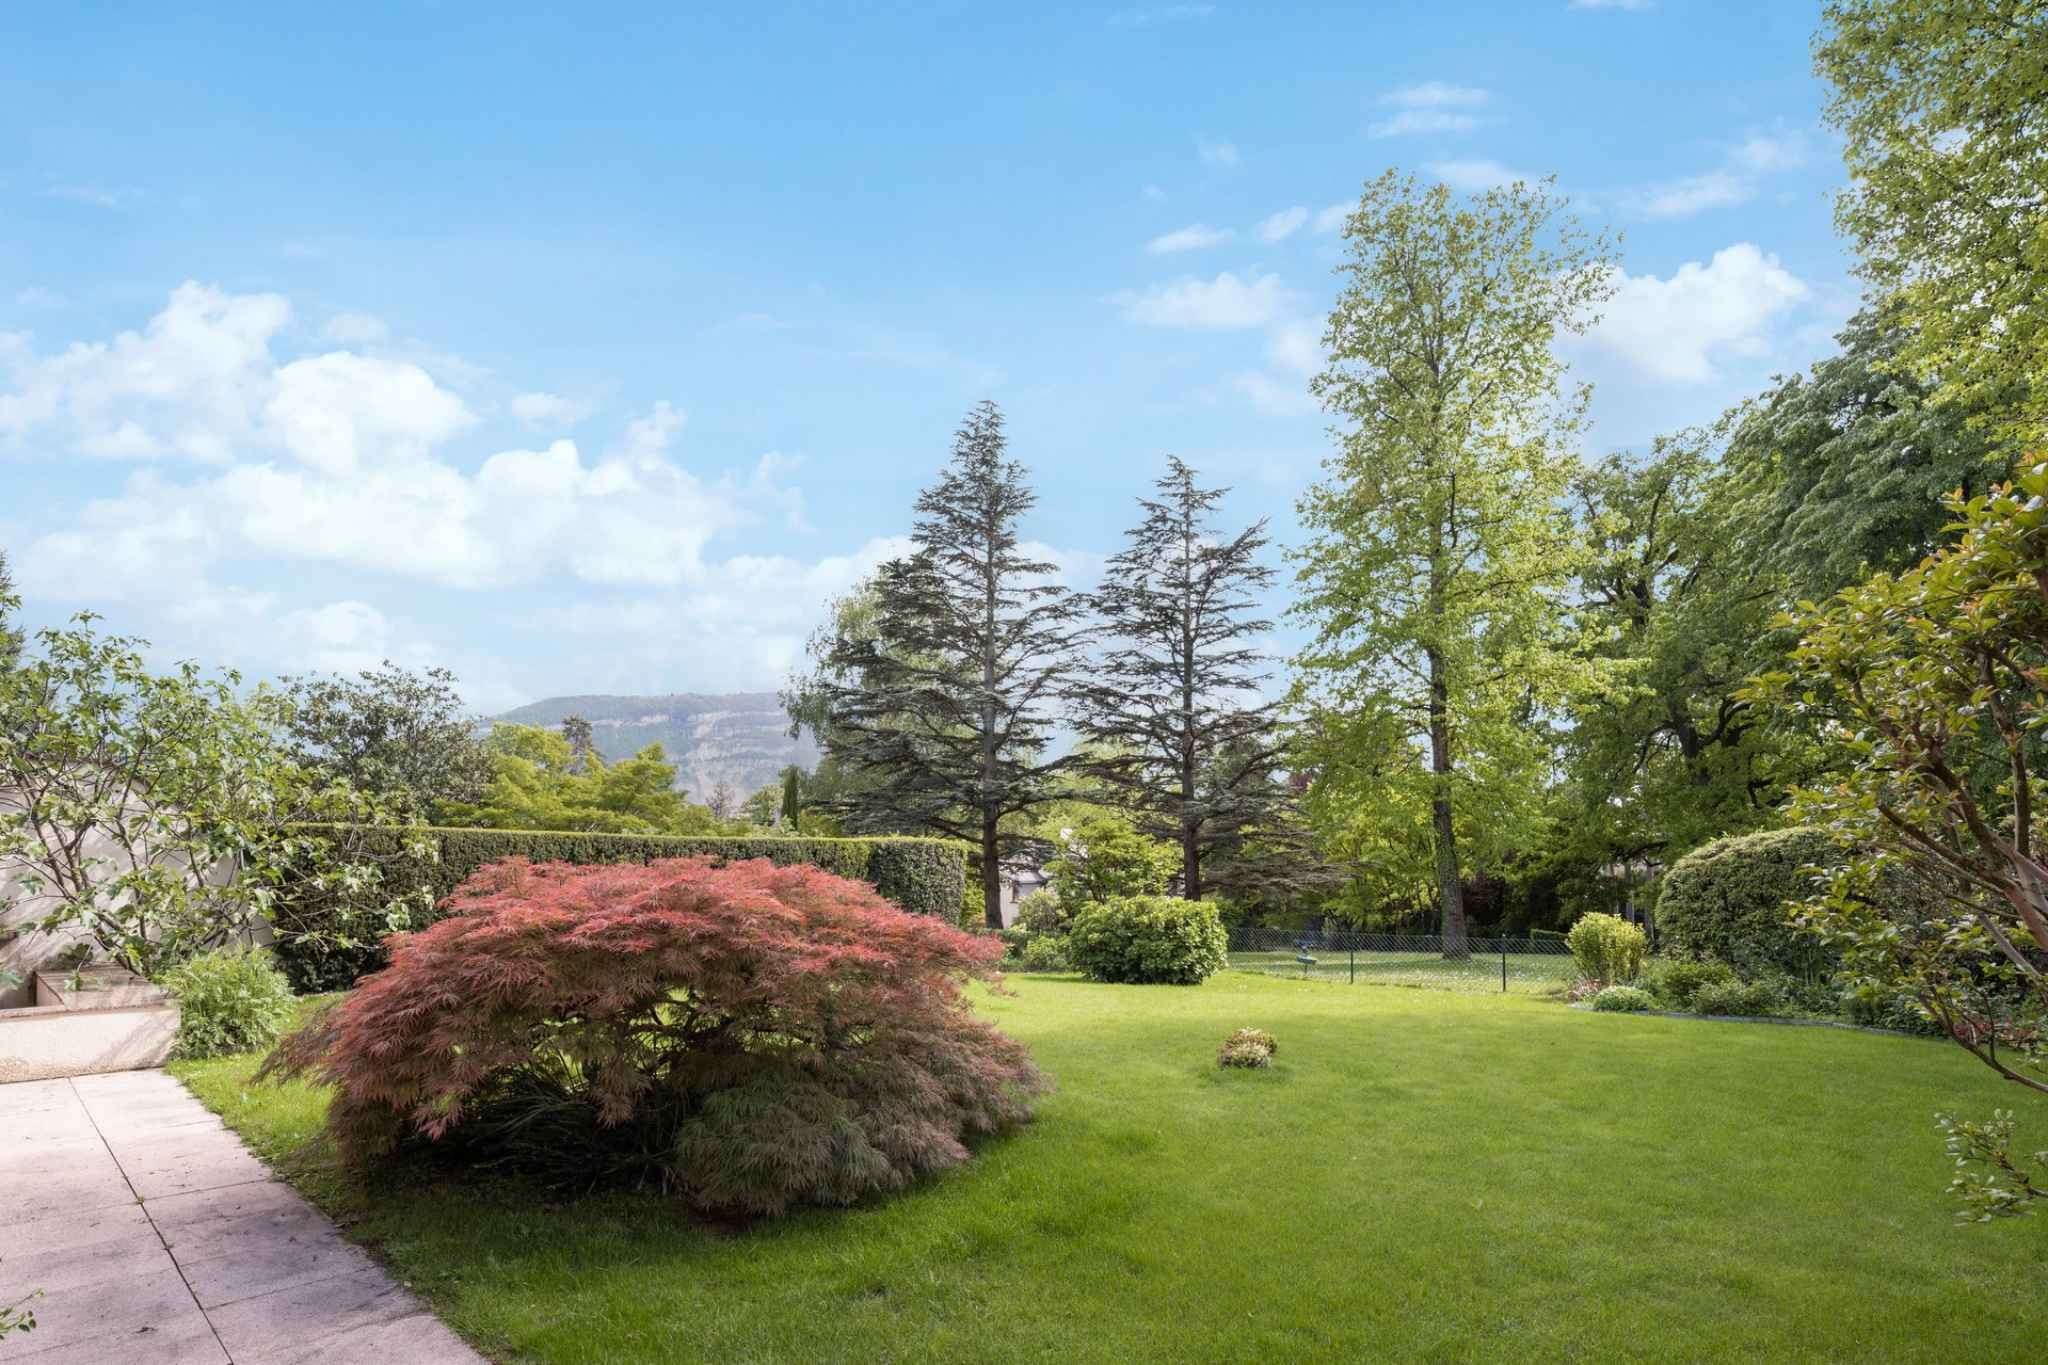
{"x":1278,"y":227}
{"x":1224,"y":303}
{"x":1194,"y":237}
{"x":1674,"y":328}
{"x":1332,"y":218}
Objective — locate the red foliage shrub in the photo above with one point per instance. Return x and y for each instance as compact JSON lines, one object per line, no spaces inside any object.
{"x":752,"y":1036}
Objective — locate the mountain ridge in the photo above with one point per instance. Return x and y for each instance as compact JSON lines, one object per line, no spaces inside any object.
{"x":738,"y":738}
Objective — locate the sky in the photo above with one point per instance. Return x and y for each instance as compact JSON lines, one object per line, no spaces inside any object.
{"x":596,"y":348}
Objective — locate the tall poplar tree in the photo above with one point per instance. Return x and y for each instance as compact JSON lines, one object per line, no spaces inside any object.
{"x":942,"y":700}
{"x":1182,"y":736}
{"x":1440,"y":546}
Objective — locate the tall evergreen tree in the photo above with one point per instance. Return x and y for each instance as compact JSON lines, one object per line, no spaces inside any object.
{"x":1439,"y":544}
{"x":1172,"y":703}
{"x":942,"y":701}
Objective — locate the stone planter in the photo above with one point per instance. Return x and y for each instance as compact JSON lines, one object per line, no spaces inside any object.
{"x":103,"y":1019}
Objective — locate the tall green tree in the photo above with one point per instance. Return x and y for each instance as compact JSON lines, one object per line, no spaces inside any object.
{"x":401,"y":736}
{"x":1841,"y":471}
{"x":1439,"y":543}
{"x":1182,"y":738}
{"x":944,"y":704}
{"x":1942,"y":106}
{"x":792,"y":798}
{"x":539,"y":780}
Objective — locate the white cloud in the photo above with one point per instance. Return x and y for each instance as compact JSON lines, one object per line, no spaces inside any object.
{"x":1226,"y":302}
{"x":1216,"y":153}
{"x":1332,"y":218}
{"x":547,"y":409}
{"x":191,"y":384}
{"x":1436,"y":95}
{"x":1673,"y":329}
{"x":1155,"y":15}
{"x":1767,"y":153}
{"x":341,"y":410}
{"x":1430,"y":107}
{"x":1296,"y":347}
{"x":1194,"y":237}
{"x":1280,"y":226}
{"x":1695,"y":194}
{"x":1413,"y":121}
{"x":356,"y":329}
{"x":1477,"y":174}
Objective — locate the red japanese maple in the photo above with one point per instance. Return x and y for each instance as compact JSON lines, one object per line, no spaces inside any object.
{"x":754,"y":1036}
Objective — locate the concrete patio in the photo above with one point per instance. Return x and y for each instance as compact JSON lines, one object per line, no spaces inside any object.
{"x":157,"y":1238}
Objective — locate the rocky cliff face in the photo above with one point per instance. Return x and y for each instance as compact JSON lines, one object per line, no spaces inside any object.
{"x":740,"y":739}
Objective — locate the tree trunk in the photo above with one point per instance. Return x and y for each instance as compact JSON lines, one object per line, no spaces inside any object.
{"x":1450,"y":888}
{"x":991,"y":875}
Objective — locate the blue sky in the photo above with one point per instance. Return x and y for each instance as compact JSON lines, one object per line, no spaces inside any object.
{"x":592,"y":349}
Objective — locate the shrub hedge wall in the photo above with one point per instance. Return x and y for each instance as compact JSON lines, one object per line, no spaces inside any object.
{"x":923,"y":876}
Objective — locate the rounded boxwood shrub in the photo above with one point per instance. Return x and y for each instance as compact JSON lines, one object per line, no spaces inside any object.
{"x":1624,"y":1000}
{"x":1607,"y":947}
{"x":229,"y":1000}
{"x":1733,"y":900}
{"x":746,"y":1036}
{"x":1149,"y":940}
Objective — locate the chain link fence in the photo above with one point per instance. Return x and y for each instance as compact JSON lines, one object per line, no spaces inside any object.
{"x":1526,"y":966}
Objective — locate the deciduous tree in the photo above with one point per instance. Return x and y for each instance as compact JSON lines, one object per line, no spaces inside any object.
{"x":392,"y":733}
{"x":1439,"y":545}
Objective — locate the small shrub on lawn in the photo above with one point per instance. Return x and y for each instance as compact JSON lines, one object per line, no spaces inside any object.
{"x":1585,"y":988}
{"x":229,"y":1000}
{"x":1047,"y":953}
{"x":750,"y":1037}
{"x":1756,"y":999}
{"x":1607,"y":947}
{"x":1624,"y":1000}
{"x":1149,"y":939}
{"x":1248,"y":1047}
{"x":1677,"y":981}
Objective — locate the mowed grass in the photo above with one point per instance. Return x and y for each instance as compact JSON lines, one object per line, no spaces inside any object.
{"x":1527,"y":973}
{"x":1422,"y":1175}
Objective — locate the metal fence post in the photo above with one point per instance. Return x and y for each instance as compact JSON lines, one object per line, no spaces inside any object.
{"x":1503,"y":966}
{"x":1354,"y":962}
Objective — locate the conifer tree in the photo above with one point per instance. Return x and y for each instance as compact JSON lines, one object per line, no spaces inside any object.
{"x":1172,"y":704}
{"x":944,"y":701}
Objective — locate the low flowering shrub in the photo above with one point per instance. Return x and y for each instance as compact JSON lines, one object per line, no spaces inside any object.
{"x":1253,"y":1037}
{"x":1582,"y":990}
{"x":747,"y":1036}
{"x":1149,"y":940}
{"x":229,"y":1000}
{"x":1243,"y":1054}
{"x":1624,"y":1000}
{"x":1607,"y":947}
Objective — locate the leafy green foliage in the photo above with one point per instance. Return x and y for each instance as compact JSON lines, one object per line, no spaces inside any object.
{"x":1102,"y":856}
{"x":1930,"y":682}
{"x":1677,"y":981}
{"x":154,"y":811}
{"x":1745,"y":999}
{"x":1607,"y":948}
{"x":1737,"y":900}
{"x":1938,"y":104}
{"x":1043,"y":953}
{"x":540,"y":780}
{"x":1623,"y":1000}
{"x":1149,"y":939}
{"x":229,"y":1000}
{"x":402,"y":737}
{"x":1439,"y":542}
{"x":751,"y":1037}
{"x":326,"y":943}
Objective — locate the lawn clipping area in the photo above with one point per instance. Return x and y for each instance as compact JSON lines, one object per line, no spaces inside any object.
{"x":1421,"y":1174}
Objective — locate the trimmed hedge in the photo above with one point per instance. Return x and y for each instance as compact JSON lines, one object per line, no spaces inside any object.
{"x":1732,"y":900}
{"x":923,"y":876}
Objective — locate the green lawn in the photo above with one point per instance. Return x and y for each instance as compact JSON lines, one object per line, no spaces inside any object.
{"x":1526,"y":974}
{"x":1423,"y":1174}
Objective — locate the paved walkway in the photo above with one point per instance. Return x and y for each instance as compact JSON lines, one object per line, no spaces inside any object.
{"x":158,"y":1239}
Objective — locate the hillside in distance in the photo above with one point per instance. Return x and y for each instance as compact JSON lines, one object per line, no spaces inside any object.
{"x":740,"y":738}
